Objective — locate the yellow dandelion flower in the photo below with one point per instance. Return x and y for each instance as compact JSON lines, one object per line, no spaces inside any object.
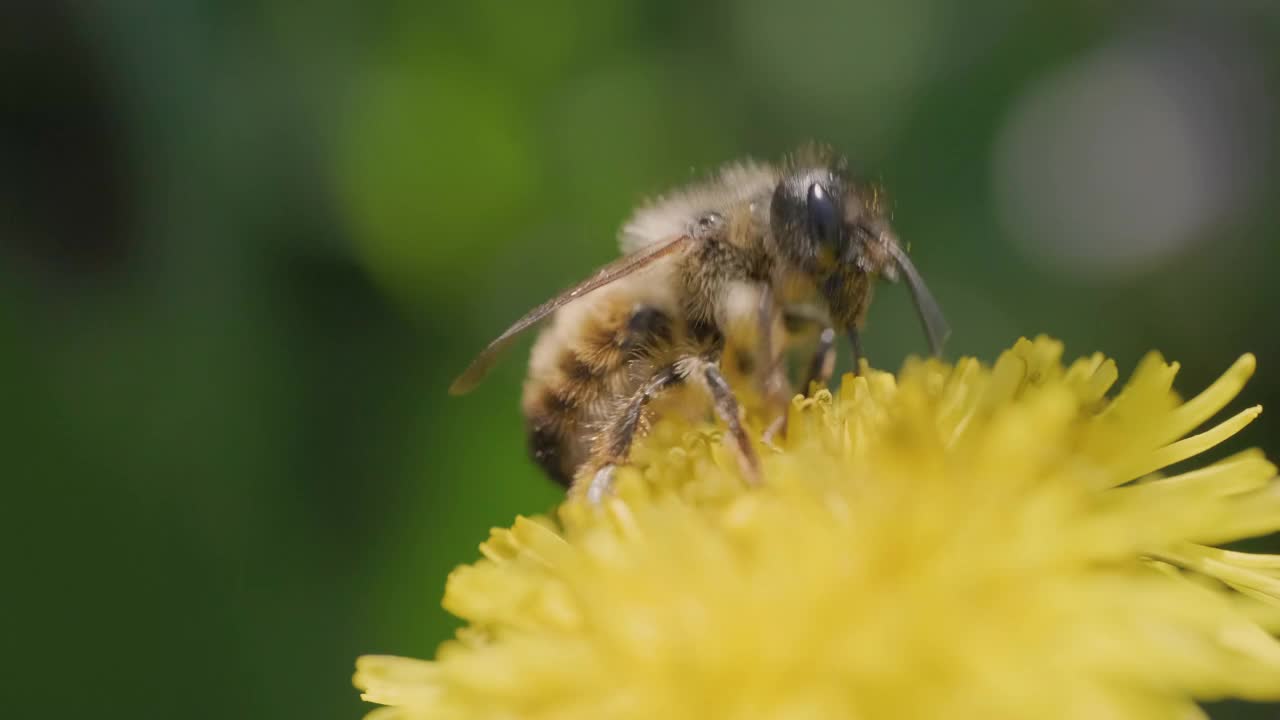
{"x":958,"y":541}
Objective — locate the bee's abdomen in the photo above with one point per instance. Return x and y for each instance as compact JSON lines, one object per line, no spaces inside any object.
{"x":588,"y":361}
{"x":550,"y":430}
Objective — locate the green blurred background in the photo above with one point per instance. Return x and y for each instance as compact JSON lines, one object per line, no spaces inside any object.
{"x":245,"y":245}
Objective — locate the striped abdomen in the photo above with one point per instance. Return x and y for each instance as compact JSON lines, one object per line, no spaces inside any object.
{"x":586,"y":364}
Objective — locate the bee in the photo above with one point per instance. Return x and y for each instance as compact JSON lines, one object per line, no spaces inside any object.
{"x":714,"y":280}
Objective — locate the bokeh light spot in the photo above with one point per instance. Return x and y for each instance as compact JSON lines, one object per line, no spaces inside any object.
{"x":430,"y":167}
{"x":1127,"y":156}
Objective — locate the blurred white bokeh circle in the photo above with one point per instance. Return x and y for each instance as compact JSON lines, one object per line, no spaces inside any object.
{"x":1131,"y":153}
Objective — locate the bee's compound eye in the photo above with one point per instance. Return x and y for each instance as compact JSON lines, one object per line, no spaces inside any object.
{"x":824,"y":216}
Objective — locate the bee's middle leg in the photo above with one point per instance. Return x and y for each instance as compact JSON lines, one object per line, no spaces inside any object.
{"x":706,"y":371}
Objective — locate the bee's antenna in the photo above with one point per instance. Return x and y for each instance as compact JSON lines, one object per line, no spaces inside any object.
{"x":935,"y":325}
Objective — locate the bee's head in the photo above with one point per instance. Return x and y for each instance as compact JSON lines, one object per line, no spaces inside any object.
{"x":833,"y":228}
{"x":822,"y":220}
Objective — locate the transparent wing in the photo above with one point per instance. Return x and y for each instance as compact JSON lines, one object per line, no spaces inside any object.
{"x":615,"y":270}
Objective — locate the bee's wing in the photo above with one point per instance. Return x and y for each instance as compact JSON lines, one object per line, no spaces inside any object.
{"x":620,"y":268}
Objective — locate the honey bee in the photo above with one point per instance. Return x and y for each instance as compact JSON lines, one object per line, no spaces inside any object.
{"x":713,"y":281}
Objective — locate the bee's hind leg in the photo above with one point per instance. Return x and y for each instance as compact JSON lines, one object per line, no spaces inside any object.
{"x":601,"y":484}
{"x":613,"y":445}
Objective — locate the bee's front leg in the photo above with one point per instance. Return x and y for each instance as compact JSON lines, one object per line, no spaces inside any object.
{"x":855,"y":346}
{"x":771,"y":372}
{"x":822,"y":363}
